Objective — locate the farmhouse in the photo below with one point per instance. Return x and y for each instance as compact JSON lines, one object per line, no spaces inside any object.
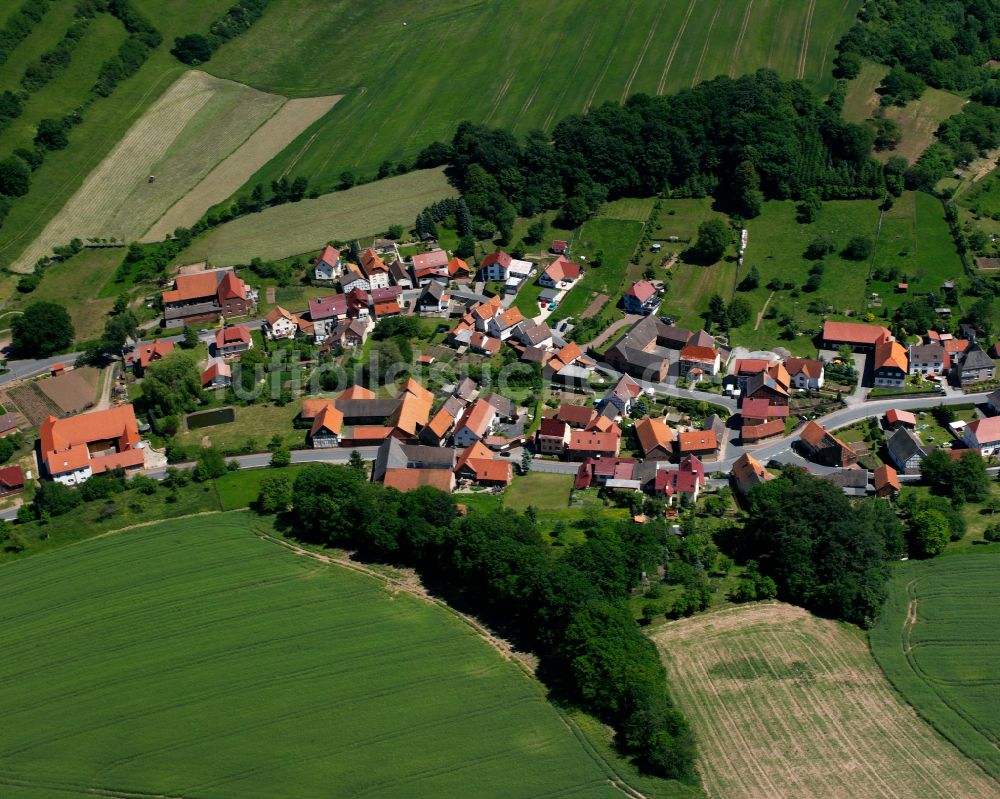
{"x":823,"y":447}
{"x":411,"y":479}
{"x":855,"y":335}
{"x":984,"y":435}
{"x":477,"y":465}
{"x":906,"y":451}
{"x":395,"y":455}
{"x":75,"y":448}
{"x":217,"y":375}
{"x":233,"y":340}
{"x":763,"y":387}
{"x":207,"y":295}
{"x":326,"y":428}
{"x":324,"y":313}
{"x":437,"y":429}
{"x":552,"y":437}
{"x":928,"y":359}
{"x":853,"y":482}
{"x":328,"y":266}
{"x":890,"y":364}
{"x":641,"y":298}
{"x":643,"y":350}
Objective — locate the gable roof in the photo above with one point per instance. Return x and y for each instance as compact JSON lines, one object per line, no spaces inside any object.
{"x":330,"y":256}
{"x":755,"y":432}
{"x":478,"y":417}
{"x":986,"y":430}
{"x":356,"y":393}
{"x":457,"y":267}
{"x":810,"y":367}
{"x":150,"y":351}
{"x":695,"y":352}
{"x":896,"y":416}
{"x":232,"y":336}
{"x":641,"y":290}
{"x":311,"y":407}
{"x":760,"y":408}
{"x":745,"y":367}
{"x":64,"y":442}
{"x":653,"y":433}
{"x":563,"y":269}
{"x":410,"y":479}
{"x":12,"y":477}
{"x":855,"y":333}
{"x":329,"y":419}
{"x":748,"y":472}
{"x":216,"y":369}
{"x":577,"y":415}
{"x":277,"y":312}
{"x":886,"y":477}
{"x":976,"y":358}
{"x":697,"y":440}
{"x":903,"y":445}
{"x":435,"y":259}
{"x":890,"y":355}
{"x":496,"y":257}
{"x":593,"y":441}
{"x":326,"y":307}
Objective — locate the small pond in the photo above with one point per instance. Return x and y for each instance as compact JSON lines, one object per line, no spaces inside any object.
{"x":196,"y":421}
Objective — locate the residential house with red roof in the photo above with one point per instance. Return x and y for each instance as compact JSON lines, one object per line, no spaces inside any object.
{"x":11,"y":481}
{"x":279,"y":323}
{"x":702,"y":443}
{"x":217,"y":375}
{"x":478,"y":465}
{"x":505,"y":324}
{"x":625,"y":392}
{"x":478,"y":421}
{"x":683,"y":483}
{"x":984,"y":435}
{"x":494,"y":266}
{"x":561,"y":273}
{"x":558,"y":247}
{"x":328,"y":266}
{"x":805,"y":373}
{"x":576,"y":416}
{"x":641,"y":298}
{"x":584,"y":444}
{"x":656,"y":440}
{"x":886,"y":482}
{"x":374,"y":269}
{"x":325,"y":313}
{"x":747,"y":472}
{"x":753,"y":431}
{"x":706,"y":360}
{"x":207,"y":295}
{"x":552,"y":437}
{"x":435,"y":433}
{"x":825,"y":448}
{"x":327,"y":427}
{"x":890,"y":364}
{"x":230,"y":341}
{"x":435,"y":260}
{"x":609,"y":472}
{"x":77,"y":447}
{"x":149,"y":351}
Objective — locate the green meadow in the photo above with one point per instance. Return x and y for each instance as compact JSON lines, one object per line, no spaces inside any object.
{"x":199,"y":658}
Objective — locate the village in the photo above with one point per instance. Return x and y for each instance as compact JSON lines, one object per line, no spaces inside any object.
{"x":654,"y":408}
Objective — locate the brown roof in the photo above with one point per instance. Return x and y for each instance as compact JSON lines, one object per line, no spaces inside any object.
{"x":150,"y":351}
{"x":755,"y":432}
{"x":478,"y":417}
{"x":698,"y":440}
{"x":492,"y":469}
{"x":653,"y":433}
{"x":694,"y":352}
{"x":409,"y":479}
{"x":813,"y":434}
{"x":576,"y":415}
{"x":195,"y":286}
{"x":748,"y":472}
{"x":807,"y":366}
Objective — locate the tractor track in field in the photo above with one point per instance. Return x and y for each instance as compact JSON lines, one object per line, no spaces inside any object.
{"x":661,"y":86}
{"x":804,"y":52}
{"x":642,"y":54}
{"x":739,"y":39}
{"x":562,"y":95}
{"x":704,"y":47}
{"x":608,"y":60}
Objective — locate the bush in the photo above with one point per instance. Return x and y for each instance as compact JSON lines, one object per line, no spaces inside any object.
{"x":858,"y":249}
{"x":15,"y":177}
{"x":54,"y":499}
{"x":192,"y":49}
{"x":42,"y":330}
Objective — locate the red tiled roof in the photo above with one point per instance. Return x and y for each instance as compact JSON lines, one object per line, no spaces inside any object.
{"x":593,"y":441}
{"x":854,"y":333}
{"x":986,"y":430}
{"x":217,"y":369}
{"x":552,"y":428}
{"x":750,"y":366}
{"x":642,"y":290}
{"x":807,"y":366}
{"x":886,"y":477}
{"x":653,"y":433}
{"x":64,"y":441}
{"x":232,"y":336}
{"x":328,"y":418}
{"x":896,"y":416}
{"x":496,"y":257}
{"x":151,"y":351}
{"x":330,"y":255}
{"x":694,"y":352}
{"x":755,"y":432}
{"x":311,"y":408}
{"x":435,"y":259}
{"x":356,"y":393}
{"x":813,"y":434}
{"x":890,"y":354}
{"x":577,"y":415}
{"x":698,"y":441}
{"x":759,"y":408}
{"x":12,"y":477}
{"x":410,"y":479}
{"x":458,"y":267}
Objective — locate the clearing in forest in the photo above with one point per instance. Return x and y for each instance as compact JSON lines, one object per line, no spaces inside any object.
{"x":200,"y":657}
{"x":174,"y":147}
{"x":786,"y":704}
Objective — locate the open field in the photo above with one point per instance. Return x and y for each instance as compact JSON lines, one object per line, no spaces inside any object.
{"x":263,"y":144}
{"x":786,"y":704}
{"x":541,"y":490}
{"x":521,"y":65}
{"x":258,"y":422}
{"x":181,"y":140}
{"x":918,"y":120}
{"x":106,"y":121}
{"x":938,"y":642}
{"x":914,"y":239}
{"x":295,"y":228}
{"x":208,"y":661}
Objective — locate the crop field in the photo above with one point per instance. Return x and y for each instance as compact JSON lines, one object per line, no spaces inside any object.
{"x":521,"y":65}
{"x":107,"y":120}
{"x":180,"y":141}
{"x":211,"y":661}
{"x":938,"y":641}
{"x":914,"y":239}
{"x":295,"y":228}
{"x":786,"y":704}
{"x":917,"y":120}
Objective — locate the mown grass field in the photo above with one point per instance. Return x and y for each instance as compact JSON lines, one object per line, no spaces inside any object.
{"x":308,"y":225}
{"x":786,"y":704}
{"x":914,"y":239}
{"x":938,"y":641}
{"x":520,"y":65}
{"x":209,"y":662}
{"x":917,"y":120}
{"x":107,"y":120}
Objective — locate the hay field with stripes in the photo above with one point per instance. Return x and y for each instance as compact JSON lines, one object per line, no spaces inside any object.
{"x":198,"y":658}
{"x":787,"y":704}
{"x":419,"y":68}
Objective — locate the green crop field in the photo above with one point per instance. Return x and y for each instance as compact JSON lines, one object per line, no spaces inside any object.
{"x":207,"y":661}
{"x":295,"y":228}
{"x":418,"y":68}
{"x":785,"y":704}
{"x":938,"y":641}
{"x":914,"y":239}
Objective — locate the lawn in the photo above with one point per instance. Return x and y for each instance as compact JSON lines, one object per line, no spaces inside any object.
{"x":522,"y":65}
{"x":240,"y":489}
{"x":616,"y":240}
{"x":786,"y":704}
{"x":938,"y":641}
{"x":253,"y":422}
{"x":295,"y":228}
{"x":208,"y":661}
{"x":542,"y":490}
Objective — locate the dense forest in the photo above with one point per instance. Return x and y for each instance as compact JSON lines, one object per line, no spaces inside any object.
{"x":742,"y":140}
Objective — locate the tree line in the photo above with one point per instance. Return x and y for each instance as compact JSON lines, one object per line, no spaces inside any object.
{"x":197,"y":48}
{"x":743,"y":140}
{"x":572,"y":611}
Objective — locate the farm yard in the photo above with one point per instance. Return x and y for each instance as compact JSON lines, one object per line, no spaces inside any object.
{"x":614,"y":51}
{"x":310,"y":679}
{"x":180,"y":141}
{"x":938,"y":643}
{"x":787,"y":704}
{"x":301,"y":227}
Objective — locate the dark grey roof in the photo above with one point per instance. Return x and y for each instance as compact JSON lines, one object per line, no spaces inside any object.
{"x":533,"y":333}
{"x":466,"y":389}
{"x":367,"y":408}
{"x":645,"y":472}
{"x":976,"y":358}
{"x":672,"y":333}
{"x":548,"y":294}
{"x":903,"y":445}
{"x":713,"y":422}
{"x":533,"y":354}
{"x":994,"y":398}
{"x":392,"y":454}
{"x":503,"y":406}
{"x":702,"y":339}
{"x":433,"y":290}
{"x":849,"y":478}
{"x":927,"y":352}
{"x":453,"y":406}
